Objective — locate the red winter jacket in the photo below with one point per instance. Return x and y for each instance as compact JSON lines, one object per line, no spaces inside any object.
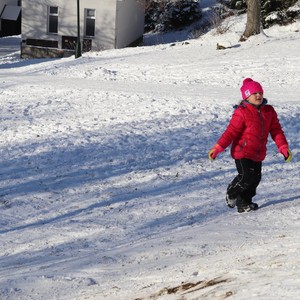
{"x":248,"y":131}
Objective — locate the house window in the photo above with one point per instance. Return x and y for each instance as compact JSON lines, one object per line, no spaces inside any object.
{"x":53,"y":19}
{"x":90,"y":17}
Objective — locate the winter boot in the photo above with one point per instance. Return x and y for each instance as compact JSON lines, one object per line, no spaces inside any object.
{"x":245,"y":204}
{"x":230,"y":201}
{"x":247,"y":207}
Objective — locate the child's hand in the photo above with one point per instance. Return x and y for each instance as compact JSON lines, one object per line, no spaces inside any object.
{"x":212,"y":154}
{"x":286,"y":152}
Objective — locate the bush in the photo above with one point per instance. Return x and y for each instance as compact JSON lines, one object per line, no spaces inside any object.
{"x":165,"y":15}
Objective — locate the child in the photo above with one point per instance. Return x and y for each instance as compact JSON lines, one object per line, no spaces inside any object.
{"x":247,"y":132}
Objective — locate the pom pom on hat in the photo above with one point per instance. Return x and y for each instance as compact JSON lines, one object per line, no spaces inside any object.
{"x":250,"y":87}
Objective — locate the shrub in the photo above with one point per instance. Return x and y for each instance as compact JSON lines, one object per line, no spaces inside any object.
{"x":165,"y":15}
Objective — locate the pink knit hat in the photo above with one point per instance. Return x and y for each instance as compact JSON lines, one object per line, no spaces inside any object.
{"x":250,"y":87}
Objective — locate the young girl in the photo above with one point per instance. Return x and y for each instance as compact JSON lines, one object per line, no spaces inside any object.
{"x":247,"y":132}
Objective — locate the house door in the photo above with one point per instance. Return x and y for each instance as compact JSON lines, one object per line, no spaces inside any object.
{"x":11,"y":27}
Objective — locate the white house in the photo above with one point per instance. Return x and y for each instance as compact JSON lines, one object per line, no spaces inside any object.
{"x":50,"y":27}
{"x":10,"y":17}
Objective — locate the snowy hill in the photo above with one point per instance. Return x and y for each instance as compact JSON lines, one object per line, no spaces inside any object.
{"x":106,"y":188}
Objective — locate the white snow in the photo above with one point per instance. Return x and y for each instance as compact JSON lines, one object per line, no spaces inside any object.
{"x":106,"y":188}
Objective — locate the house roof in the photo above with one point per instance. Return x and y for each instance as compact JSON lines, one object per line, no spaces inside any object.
{"x":10,"y":12}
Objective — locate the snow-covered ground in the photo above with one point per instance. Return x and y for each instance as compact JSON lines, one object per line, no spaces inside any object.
{"x":9,"y":44}
{"x":106,"y":188}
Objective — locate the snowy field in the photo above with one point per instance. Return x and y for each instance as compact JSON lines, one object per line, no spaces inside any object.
{"x":106,"y":188}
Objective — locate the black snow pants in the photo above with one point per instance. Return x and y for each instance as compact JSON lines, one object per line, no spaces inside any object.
{"x":243,"y":186}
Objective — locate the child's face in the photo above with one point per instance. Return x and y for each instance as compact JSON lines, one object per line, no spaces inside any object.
{"x":256,"y":99}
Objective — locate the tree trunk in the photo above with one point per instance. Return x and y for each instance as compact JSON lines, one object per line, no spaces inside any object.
{"x":253,"y":25}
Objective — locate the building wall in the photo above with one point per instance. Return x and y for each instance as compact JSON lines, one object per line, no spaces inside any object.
{"x":130,"y":22}
{"x":105,"y":23}
{"x":35,"y":20}
{"x":34,"y":16}
{"x":118,"y":23}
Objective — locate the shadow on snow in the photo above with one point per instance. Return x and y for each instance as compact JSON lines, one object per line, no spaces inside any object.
{"x":94,"y":164}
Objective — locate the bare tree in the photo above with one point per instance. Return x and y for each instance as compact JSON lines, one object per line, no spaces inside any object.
{"x":253,"y":25}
